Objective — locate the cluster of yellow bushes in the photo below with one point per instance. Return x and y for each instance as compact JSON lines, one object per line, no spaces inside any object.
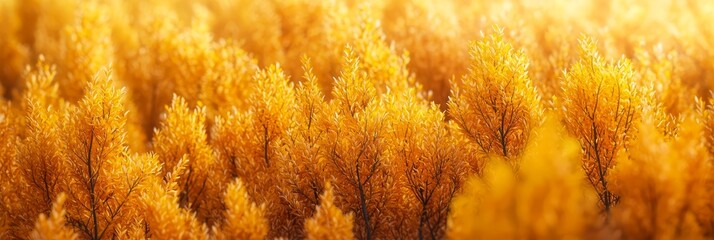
{"x":341,"y":119}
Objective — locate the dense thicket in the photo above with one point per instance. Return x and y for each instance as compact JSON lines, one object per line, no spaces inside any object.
{"x":341,"y":119}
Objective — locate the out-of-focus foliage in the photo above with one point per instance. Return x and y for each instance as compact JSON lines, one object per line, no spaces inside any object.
{"x":663,"y":184}
{"x":54,"y":227}
{"x":344,"y":119}
{"x":546,"y":199}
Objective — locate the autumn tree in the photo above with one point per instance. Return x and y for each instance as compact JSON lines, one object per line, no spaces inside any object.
{"x":495,"y":104}
{"x":356,"y":151}
{"x":39,"y":163}
{"x":103,"y":180}
{"x":248,"y":143}
{"x":545,"y":199}
{"x":161,"y":212}
{"x":599,"y":104}
{"x":380,"y":61}
{"x":301,"y":156}
{"x":425,"y":154}
{"x":329,"y":222}
{"x":183,"y":134}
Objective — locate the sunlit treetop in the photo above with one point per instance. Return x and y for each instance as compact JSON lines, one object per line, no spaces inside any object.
{"x":495,"y":104}
{"x":600,"y":104}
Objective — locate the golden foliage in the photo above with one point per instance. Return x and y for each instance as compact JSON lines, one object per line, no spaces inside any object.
{"x":495,"y":104}
{"x":248,"y":143}
{"x":243,"y":220}
{"x":545,"y":199}
{"x":40,"y":161}
{"x":213,"y":123}
{"x":663,"y":185}
{"x":355,"y":147}
{"x":600,"y":104}
{"x":182,"y":134}
{"x":329,"y":222}
{"x":85,"y":49}
{"x":301,"y":156}
{"x":100,"y":187}
{"x":53,"y":226}
{"x":161,"y":211}
{"x":8,"y":171}
{"x":425,"y":154}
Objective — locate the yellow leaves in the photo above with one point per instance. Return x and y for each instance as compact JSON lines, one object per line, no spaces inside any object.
{"x":600,"y":104}
{"x":228,"y":137}
{"x":183,"y":133}
{"x":247,"y":141}
{"x":545,"y":199}
{"x":355,"y":146}
{"x":41,"y":86}
{"x":274,"y":99}
{"x":40,"y":161}
{"x":228,"y":84}
{"x":190,"y":56}
{"x":166,"y":220}
{"x":426,"y":161}
{"x":85,"y":48}
{"x":53,"y":226}
{"x":159,"y":205}
{"x":495,"y":104}
{"x":656,"y":69}
{"x":8,"y":171}
{"x":301,"y":159}
{"x":329,"y":222}
{"x":40,"y":156}
{"x":385,"y":68}
{"x":664,"y":184}
{"x":243,"y":220}
{"x":352,"y":91}
{"x":94,"y":151}
{"x":214,"y":86}
{"x":100,"y":116}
